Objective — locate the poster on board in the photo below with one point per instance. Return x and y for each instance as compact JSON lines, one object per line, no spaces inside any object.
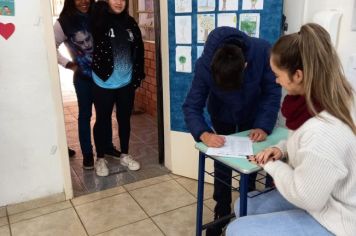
{"x":7,"y":7}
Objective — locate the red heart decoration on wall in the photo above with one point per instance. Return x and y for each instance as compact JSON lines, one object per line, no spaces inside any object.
{"x":6,"y":30}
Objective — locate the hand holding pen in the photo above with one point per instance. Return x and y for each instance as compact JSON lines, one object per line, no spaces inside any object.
{"x":266,"y":155}
{"x":212,"y":139}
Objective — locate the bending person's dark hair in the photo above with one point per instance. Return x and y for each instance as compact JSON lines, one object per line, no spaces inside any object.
{"x":227,"y":67}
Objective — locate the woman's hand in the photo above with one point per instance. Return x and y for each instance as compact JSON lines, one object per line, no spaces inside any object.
{"x":266,"y":155}
{"x":257,"y":135}
{"x":212,"y":140}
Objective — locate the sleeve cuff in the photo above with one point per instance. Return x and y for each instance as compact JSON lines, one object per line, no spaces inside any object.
{"x":272,"y":167}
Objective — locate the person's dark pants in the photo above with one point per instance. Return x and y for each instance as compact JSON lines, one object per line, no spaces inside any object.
{"x":83,"y":89}
{"x":104,"y":101}
{"x":222,"y":192}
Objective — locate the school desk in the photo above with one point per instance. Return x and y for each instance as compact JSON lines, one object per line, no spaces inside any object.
{"x":241,"y":165}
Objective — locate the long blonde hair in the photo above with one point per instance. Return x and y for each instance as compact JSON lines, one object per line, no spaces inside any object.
{"x":311,"y":51}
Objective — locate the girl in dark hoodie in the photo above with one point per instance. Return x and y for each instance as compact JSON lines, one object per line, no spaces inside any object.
{"x":118,"y":68}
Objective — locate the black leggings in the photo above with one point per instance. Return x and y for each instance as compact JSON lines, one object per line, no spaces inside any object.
{"x":104,"y":101}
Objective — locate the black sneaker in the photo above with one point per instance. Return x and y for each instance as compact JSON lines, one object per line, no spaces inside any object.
{"x":71,"y":152}
{"x":114,"y":153}
{"x":88,"y":161}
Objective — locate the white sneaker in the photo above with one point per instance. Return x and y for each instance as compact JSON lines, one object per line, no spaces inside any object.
{"x":127,"y":160}
{"x":101,"y":168}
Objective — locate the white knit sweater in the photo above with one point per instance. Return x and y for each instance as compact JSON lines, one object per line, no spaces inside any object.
{"x":320,"y":176}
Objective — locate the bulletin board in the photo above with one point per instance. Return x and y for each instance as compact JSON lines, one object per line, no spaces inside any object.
{"x":189,"y":23}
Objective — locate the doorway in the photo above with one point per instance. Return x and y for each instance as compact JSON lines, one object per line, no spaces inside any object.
{"x":146,"y":142}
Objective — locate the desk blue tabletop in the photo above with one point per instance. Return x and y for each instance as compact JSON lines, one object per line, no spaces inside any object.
{"x":242,"y":164}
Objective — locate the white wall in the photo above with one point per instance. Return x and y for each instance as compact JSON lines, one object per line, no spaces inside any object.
{"x":32,"y":137}
{"x":299,"y":12}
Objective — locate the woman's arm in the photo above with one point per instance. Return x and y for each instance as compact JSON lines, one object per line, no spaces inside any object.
{"x":60,"y":37}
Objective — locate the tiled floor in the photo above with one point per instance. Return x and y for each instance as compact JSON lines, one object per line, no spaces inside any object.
{"x":143,"y":147}
{"x":158,"y":206}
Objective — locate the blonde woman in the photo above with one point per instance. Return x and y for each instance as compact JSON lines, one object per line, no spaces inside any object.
{"x":315,"y":169}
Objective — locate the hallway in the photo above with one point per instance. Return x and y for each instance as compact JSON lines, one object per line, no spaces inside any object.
{"x":159,"y":206}
{"x":143,"y":146}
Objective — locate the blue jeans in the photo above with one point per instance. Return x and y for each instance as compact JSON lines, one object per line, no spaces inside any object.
{"x":270,"y":214}
{"x":83,"y":89}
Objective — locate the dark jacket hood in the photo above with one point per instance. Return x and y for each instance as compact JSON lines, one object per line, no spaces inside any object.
{"x":224,"y":35}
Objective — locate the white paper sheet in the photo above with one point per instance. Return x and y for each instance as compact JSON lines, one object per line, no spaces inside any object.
{"x":183,"y":6}
{"x":252,"y":4}
{"x":206,"y":5}
{"x":184,"y":59}
{"x":234,"y":147}
{"x":250,"y":24}
{"x":227,"y":19}
{"x":228,"y":5}
{"x":206,"y":23}
{"x":183,"y":29}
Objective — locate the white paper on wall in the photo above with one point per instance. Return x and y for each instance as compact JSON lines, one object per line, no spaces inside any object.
{"x":184,"y":59}
{"x":252,"y":4}
{"x":206,"y":23}
{"x":227,"y":19}
{"x":250,"y":24}
{"x":206,"y":5}
{"x":228,"y":5}
{"x":182,"y":6}
{"x":183,"y":29}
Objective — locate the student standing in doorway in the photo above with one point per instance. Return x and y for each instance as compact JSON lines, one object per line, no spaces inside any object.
{"x":118,"y":68}
{"x":73,"y":28}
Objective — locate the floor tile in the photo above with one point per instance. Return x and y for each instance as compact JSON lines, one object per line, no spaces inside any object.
{"x":184,"y":222}
{"x":149,"y":172}
{"x":162,"y":197}
{"x":5,"y":231}
{"x":109,"y":213}
{"x":147,"y":182}
{"x":94,"y":183}
{"x":25,"y":206}
{"x":39,"y":211}
{"x":141,"y":228}
{"x":3,"y":221}
{"x":65,"y":222}
{"x":98,"y":195}
{"x":192,"y":186}
{"x":2,"y":211}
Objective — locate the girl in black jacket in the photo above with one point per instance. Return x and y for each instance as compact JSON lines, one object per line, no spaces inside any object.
{"x":118,"y":68}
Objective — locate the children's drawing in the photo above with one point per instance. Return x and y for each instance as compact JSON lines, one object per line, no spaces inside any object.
{"x":252,"y":4}
{"x":184,"y":59}
{"x":206,"y":23}
{"x":7,"y":7}
{"x":183,"y":6}
{"x":206,"y":5}
{"x":183,"y":29}
{"x":228,"y":5}
{"x":227,"y":19}
{"x":250,"y":24}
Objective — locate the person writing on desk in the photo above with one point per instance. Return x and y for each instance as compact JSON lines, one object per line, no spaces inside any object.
{"x":234,"y":79}
{"x":316,"y":193}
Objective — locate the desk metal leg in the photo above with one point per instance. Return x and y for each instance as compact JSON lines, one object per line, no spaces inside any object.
{"x":200,"y":199}
{"x":243,"y":194}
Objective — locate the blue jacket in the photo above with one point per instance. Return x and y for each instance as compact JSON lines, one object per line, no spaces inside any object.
{"x":256,"y":105}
